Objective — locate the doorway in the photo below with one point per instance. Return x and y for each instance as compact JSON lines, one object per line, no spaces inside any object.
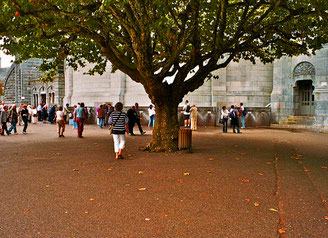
{"x":305,"y":98}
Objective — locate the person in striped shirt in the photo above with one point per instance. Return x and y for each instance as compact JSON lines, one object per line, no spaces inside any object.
{"x":119,"y":120}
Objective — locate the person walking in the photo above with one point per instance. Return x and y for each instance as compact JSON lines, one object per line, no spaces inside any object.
{"x":74,"y":117}
{"x":52,"y":113}
{"x":4,"y":118}
{"x":136,"y":105}
{"x":119,"y":120}
{"x":234,"y":115}
{"x":186,"y":114}
{"x":132,"y":119}
{"x":13,"y":115}
{"x":44,"y":114}
{"x":60,"y":121}
{"x":24,"y":116}
{"x":81,"y":118}
{"x":151,"y":113}
{"x":66,"y":112}
{"x":193,"y":117}
{"x":242,"y":113}
{"x":224,"y":118}
{"x":34,"y":115}
{"x":101,"y":115}
{"x":39,"y":110}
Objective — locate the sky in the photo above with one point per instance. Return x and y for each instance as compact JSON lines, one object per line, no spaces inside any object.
{"x":5,"y":60}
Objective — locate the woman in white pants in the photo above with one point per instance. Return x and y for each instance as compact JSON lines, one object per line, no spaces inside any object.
{"x":119,"y":120}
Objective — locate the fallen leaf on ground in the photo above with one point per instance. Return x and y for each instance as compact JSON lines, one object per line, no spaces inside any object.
{"x":86,"y":212}
{"x":247,"y":200}
{"x":110,"y":169}
{"x":268,"y":163}
{"x":142,"y":189}
{"x":260,"y":174}
{"x":324,"y":200}
{"x":243,"y":153}
{"x":211,"y":159}
{"x":256,"y":204}
{"x":186,"y":222}
{"x":47,"y":186}
{"x":281,"y":231}
{"x":237,"y":158}
{"x":140,"y":172}
{"x":299,"y":155}
{"x":274,"y":210}
{"x":185,"y":174}
{"x":75,"y":170}
{"x":307,"y":170}
{"x":91,"y":199}
{"x":66,"y":212}
{"x":324,"y":167}
{"x":245,"y":180}
{"x":26,"y":209}
{"x":147,"y":219}
{"x":209,"y":171}
{"x":326,"y":217}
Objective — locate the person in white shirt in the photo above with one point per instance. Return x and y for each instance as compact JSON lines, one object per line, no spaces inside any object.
{"x":151,"y":113}
{"x":225,"y":118}
{"x":186,"y":114}
{"x":60,"y":121}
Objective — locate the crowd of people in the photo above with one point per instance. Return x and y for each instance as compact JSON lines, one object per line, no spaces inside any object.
{"x":122,"y":123}
{"x":233,"y":114}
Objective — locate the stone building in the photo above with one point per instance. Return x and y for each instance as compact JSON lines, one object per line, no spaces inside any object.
{"x":287,"y":92}
{"x":23,"y":85}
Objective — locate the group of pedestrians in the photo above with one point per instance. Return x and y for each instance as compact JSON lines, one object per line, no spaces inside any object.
{"x":13,"y":115}
{"x":233,"y":114}
{"x":103,"y":112}
{"x":190,"y":115}
{"x":133,"y":115}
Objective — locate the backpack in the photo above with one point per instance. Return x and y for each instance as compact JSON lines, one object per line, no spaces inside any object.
{"x":188,"y":108}
{"x":232,"y":114}
{"x":245,"y":112}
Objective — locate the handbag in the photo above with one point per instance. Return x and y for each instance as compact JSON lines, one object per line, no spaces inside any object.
{"x":111,"y":127}
{"x":221,"y":121}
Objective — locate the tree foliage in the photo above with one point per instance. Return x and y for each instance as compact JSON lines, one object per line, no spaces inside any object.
{"x":151,"y":40}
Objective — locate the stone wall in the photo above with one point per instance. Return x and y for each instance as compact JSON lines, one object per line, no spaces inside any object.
{"x":207,"y":116}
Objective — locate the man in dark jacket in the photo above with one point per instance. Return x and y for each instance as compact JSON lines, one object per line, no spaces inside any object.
{"x":138,"y":118}
{"x":132,"y":119}
{"x":24,"y":115}
{"x":3,"y":118}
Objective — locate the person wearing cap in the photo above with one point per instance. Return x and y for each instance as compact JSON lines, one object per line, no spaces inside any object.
{"x":24,"y":115}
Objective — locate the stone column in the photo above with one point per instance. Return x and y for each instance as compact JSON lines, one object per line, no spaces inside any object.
{"x":68,"y":85}
{"x":321,"y":106}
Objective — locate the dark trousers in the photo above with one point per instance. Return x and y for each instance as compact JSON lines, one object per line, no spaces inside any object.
{"x":80,"y":126}
{"x":225,"y":125}
{"x":131,"y":125}
{"x":25,"y":120}
{"x":39,"y":116}
{"x":4,"y":128}
{"x":235,"y":124}
{"x":139,"y":125}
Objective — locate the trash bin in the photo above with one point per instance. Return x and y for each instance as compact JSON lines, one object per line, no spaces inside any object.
{"x":184,"y":141}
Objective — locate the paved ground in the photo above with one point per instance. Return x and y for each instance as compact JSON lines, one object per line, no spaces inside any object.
{"x":262,"y":183}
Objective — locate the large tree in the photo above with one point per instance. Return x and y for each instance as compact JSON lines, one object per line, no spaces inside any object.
{"x":153,"y":40}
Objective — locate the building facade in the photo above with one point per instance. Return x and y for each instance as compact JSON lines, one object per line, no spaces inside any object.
{"x":292,"y":90}
{"x":23,"y":85}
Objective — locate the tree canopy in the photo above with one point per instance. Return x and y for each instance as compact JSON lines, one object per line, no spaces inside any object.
{"x":152,"y":40}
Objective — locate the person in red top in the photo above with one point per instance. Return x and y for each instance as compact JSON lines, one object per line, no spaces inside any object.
{"x":101,"y":115}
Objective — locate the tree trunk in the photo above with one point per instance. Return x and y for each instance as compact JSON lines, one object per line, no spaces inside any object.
{"x":166,"y":130}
